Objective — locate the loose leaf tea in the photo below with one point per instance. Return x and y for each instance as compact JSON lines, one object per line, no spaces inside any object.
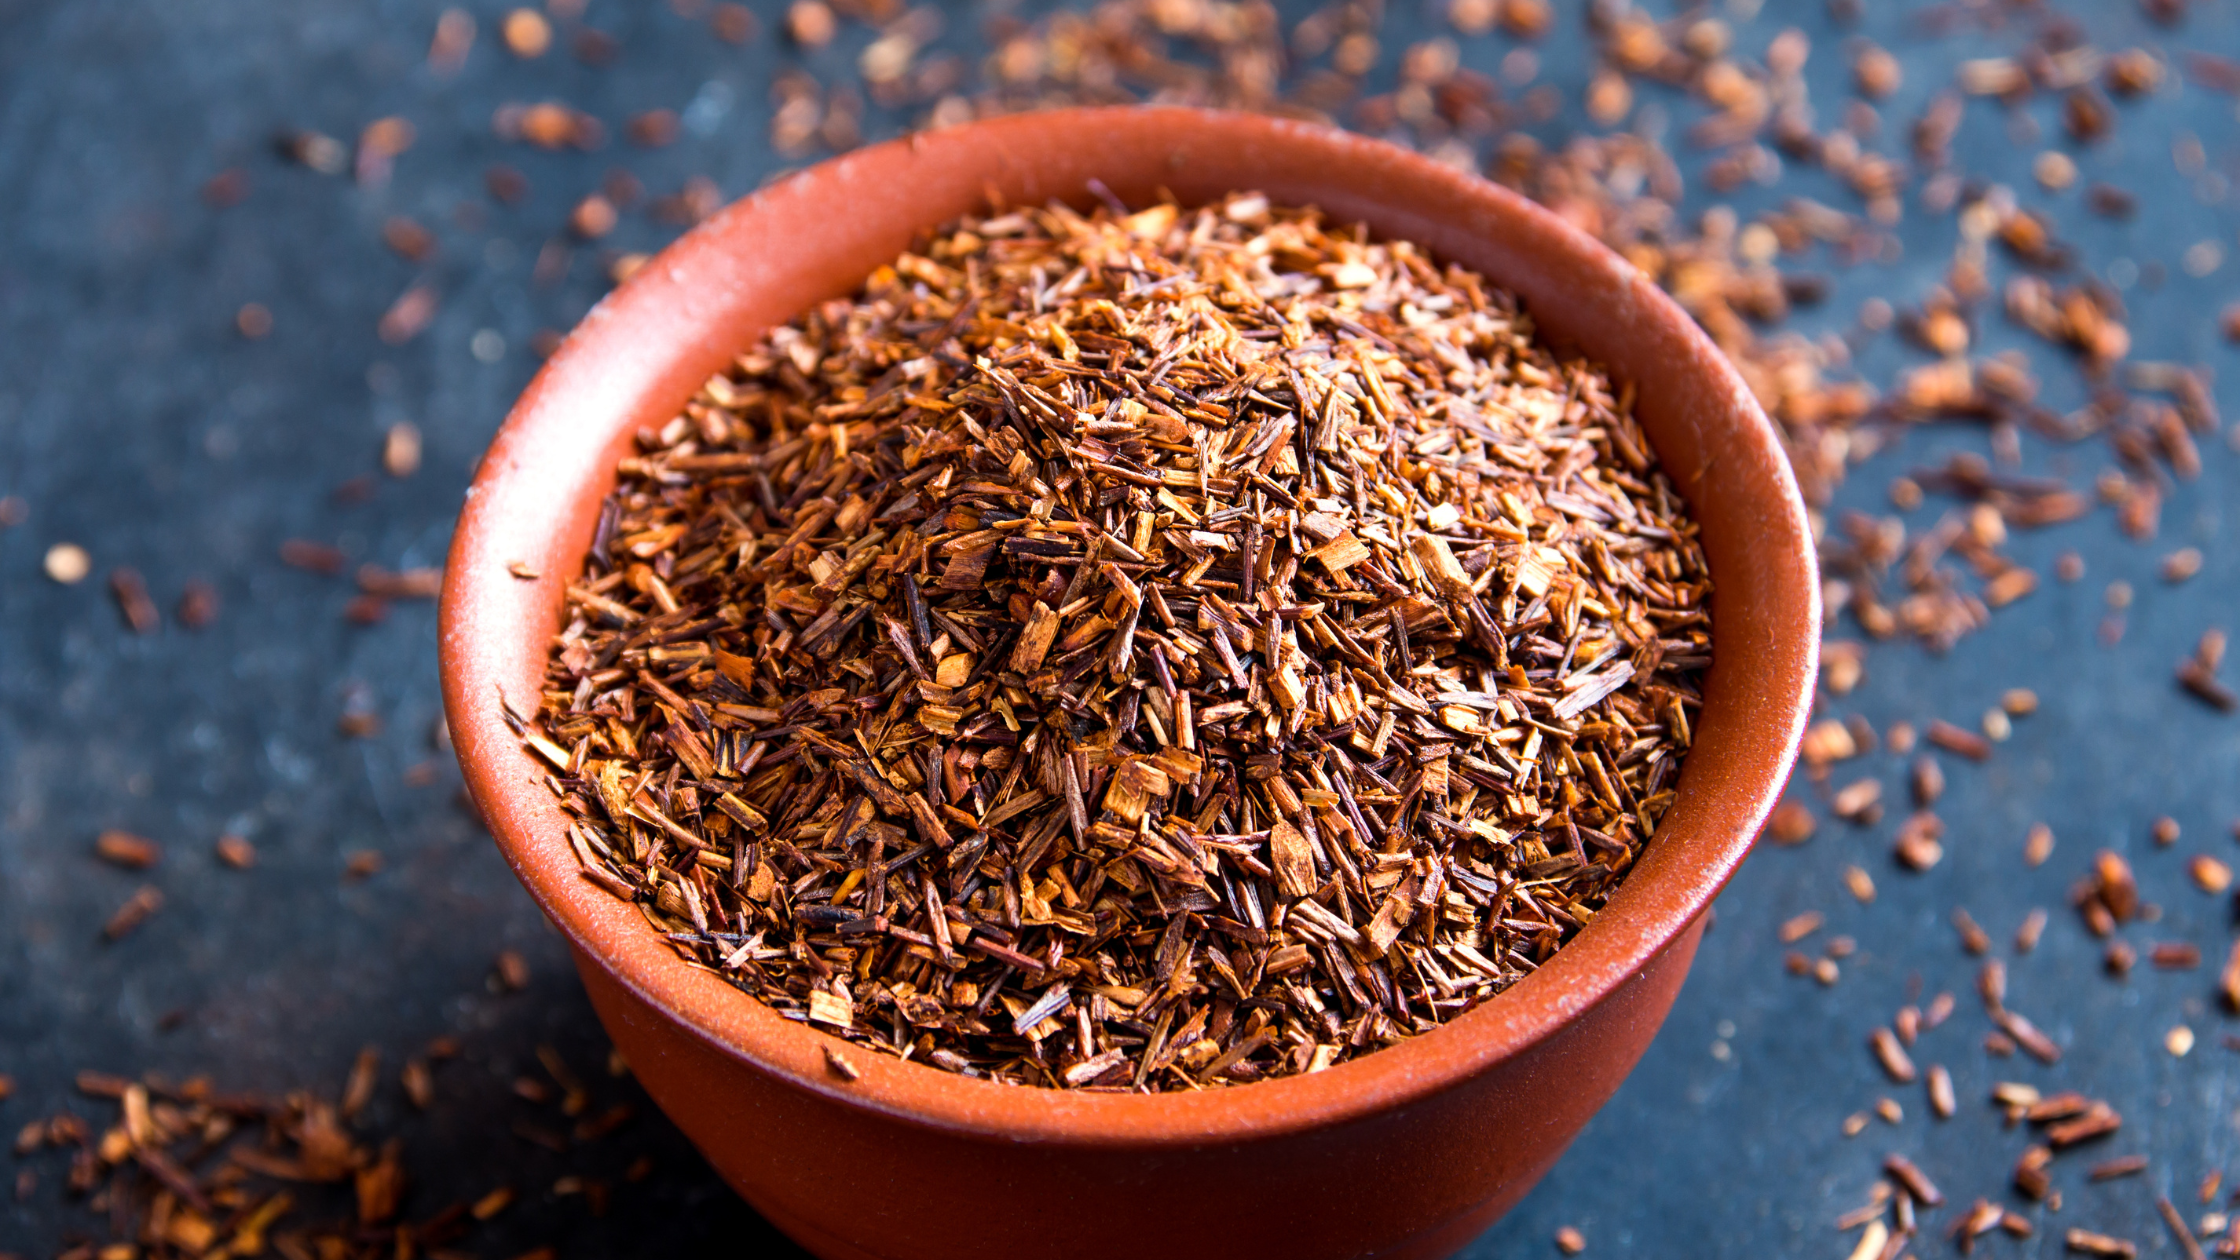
{"x":1133,"y":651}
{"x":182,"y":1169}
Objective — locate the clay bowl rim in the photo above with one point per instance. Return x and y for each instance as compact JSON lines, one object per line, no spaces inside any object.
{"x":485,"y":609}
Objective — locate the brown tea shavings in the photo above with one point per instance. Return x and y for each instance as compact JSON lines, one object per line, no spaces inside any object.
{"x":2188,"y":1245}
{"x":1860,"y":884}
{"x":1972,"y":936}
{"x":1139,"y":651}
{"x":406,"y":317}
{"x":313,"y":557}
{"x":400,"y":449}
{"x":127,"y":850}
{"x":136,"y":910}
{"x":2119,"y":958}
{"x":2175,"y":955}
{"x":1791,"y":823}
{"x":2089,"y":1243}
{"x":380,"y":583}
{"x":1941,"y":1100}
{"x":2109,"y":895}
{"x":2121,"y":1166}
{"x":198,"y":604}
{"x":1892,"y":1056}
{"x":1955,"y":739}
{"x":185,"y":1170}
{"x":1859,"y":802}
{"x":1915,"y":1182}
{"x":1919,"y":845}
{"x":2033,"y":927}
{"x":2198,"y":673}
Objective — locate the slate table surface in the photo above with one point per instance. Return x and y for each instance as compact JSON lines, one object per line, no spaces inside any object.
{"x":136,"y":422}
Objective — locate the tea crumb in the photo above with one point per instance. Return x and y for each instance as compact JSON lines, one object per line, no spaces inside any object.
{"x":135,"y":911}
{"x":400,"y":449}
{"x":236,"y":851}
{"x":122,"y":848}
{"x":526,"y":33}
{"x":68,"y":563}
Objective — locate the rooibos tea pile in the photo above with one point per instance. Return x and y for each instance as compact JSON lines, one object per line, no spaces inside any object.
{"x":1132,"y":651}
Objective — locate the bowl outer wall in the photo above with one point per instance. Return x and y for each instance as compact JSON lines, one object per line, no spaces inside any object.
{"x":641,"y":353}
{"x":1410,"y":1181}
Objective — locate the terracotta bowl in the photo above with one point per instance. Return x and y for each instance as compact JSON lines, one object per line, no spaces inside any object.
{"x":1410,"y":1151}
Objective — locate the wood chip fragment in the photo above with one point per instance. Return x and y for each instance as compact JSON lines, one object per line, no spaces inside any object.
{"x":133,"y":600}
{"x":400,"y":449}
{"x":1791,"y":823}
{"x":1892,"y":1056}
{"x":831,"y":1008}
{"x":135,"y":911}
{"x":2088,"y":1243}
{"x":1858,"y":802}
{"x":2033,"y":927}
{"x":1873,"y":1241}
{"x":2027,"y":1036}
{"x":2209,"y":874}
{"x":1940,"y":1092}
{"x":1916,"y":1183}
{"x":1955,"y":739}
{"x":127,"y":850}
{"x":1859,"y":882}
{"x":2188,"y":1245}
{"x":1917,"y":843}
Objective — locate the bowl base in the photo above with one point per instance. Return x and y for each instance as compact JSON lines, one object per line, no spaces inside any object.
{"x":1435,"y":1243}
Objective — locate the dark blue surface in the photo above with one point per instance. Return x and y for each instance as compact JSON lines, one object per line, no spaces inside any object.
{"x":135,"y":421}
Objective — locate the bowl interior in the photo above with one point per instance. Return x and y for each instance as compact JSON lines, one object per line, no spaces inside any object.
{"x":642,"y":352}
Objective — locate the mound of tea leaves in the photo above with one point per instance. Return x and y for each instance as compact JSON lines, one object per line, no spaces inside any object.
{"x":1132,"y":651}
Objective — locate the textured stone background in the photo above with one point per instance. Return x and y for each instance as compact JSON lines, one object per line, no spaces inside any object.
{"x":136,"y":422}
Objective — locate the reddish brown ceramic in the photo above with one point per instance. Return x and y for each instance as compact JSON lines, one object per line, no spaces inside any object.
{"x":1406,"y":1152}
